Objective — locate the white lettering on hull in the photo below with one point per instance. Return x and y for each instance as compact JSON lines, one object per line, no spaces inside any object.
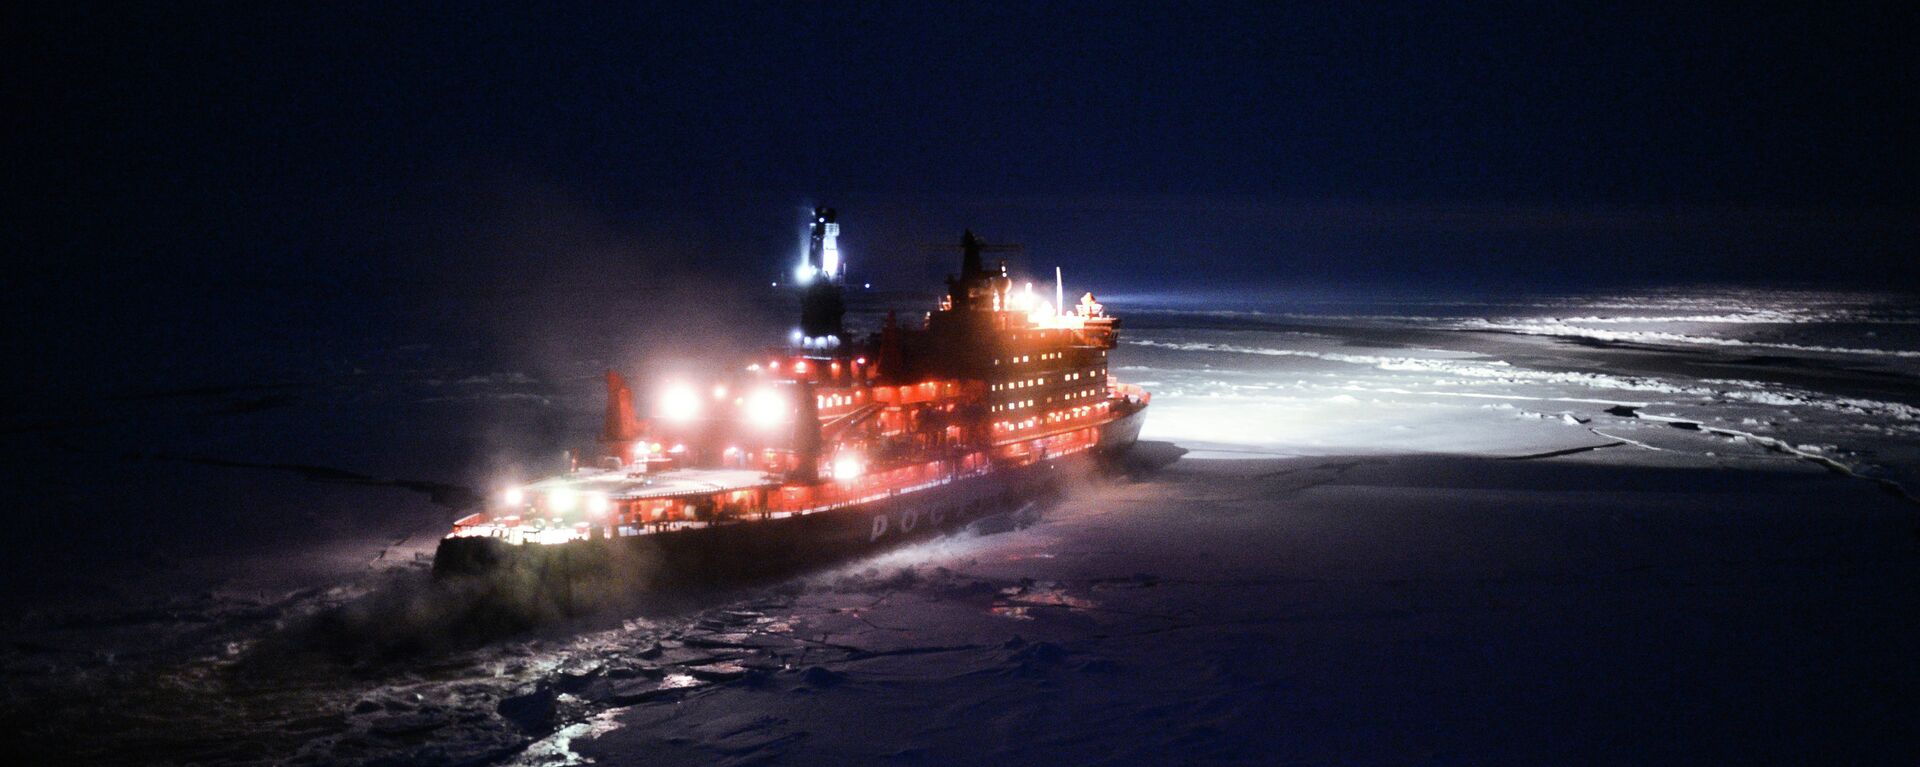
{"x":907,"y":521}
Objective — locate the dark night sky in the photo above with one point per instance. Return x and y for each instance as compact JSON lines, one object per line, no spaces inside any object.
{"x":193,"y":166}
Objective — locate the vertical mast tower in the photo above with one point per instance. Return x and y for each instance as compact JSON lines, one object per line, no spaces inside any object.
{"x":823,"y":308}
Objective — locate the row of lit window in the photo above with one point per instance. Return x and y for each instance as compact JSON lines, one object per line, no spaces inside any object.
{"x":1029,"y":357}
{"x":1012,"y":405}
{"x":1022,"y":384}
{"x":1019,"y":384}
{"x":1075,"y":395}
{"x":1011,"y":385}
{"x":836,"y":400}
{"x":1051,"y":417}
{"x":1070,"y":413}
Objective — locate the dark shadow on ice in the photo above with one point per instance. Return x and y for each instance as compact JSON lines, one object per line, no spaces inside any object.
{"x":1145,"y":458}
{"x":1566,"y":452}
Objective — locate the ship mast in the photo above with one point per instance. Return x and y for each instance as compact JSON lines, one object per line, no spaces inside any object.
{"x":823,"y":309}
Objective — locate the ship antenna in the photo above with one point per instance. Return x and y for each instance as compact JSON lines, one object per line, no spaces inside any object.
{"x":1059,"y":293}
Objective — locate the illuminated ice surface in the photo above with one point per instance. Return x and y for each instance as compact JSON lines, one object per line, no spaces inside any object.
{"x":1625,"y":529}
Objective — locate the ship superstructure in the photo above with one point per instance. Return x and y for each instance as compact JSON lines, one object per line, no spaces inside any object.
{"x":913,"y":427}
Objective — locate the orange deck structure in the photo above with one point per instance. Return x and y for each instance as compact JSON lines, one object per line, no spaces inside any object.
{"x":993,"y":379}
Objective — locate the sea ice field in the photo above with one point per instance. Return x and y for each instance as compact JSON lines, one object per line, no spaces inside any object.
{"x":1623,"y":528}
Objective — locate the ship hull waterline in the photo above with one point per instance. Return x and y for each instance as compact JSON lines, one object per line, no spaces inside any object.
{"x":754,"y":549}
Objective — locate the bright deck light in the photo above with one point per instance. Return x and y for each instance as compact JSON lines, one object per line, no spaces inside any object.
{"x":562,"y":499}
{"x":679,"y":403}
{"x":596,"y":503}
{"x":513,"y":496}
{"x":765,"y":408}
{"x":1042,"y":315}
{"x":847,"y":466}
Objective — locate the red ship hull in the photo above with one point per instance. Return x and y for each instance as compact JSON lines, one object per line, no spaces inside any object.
{"x":749,"y":549}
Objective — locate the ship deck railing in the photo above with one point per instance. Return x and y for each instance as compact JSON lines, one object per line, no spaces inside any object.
{"x":517,"y":535}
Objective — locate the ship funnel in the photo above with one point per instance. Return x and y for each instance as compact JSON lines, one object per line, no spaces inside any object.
{"x":621,"y":424}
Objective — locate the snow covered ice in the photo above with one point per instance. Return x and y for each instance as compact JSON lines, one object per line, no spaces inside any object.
{"x":1657,"y":527}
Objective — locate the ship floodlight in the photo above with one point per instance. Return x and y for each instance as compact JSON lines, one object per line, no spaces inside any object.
{"x":1041,"y":315}
{"x":847,"y":466}
{"x":562,"y":499}
{"x":513,"y":496}
{"x":720,"y":391}
{"x":596,"y":503}
{"x":679,"y":403}
{"x":766,"y":408}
